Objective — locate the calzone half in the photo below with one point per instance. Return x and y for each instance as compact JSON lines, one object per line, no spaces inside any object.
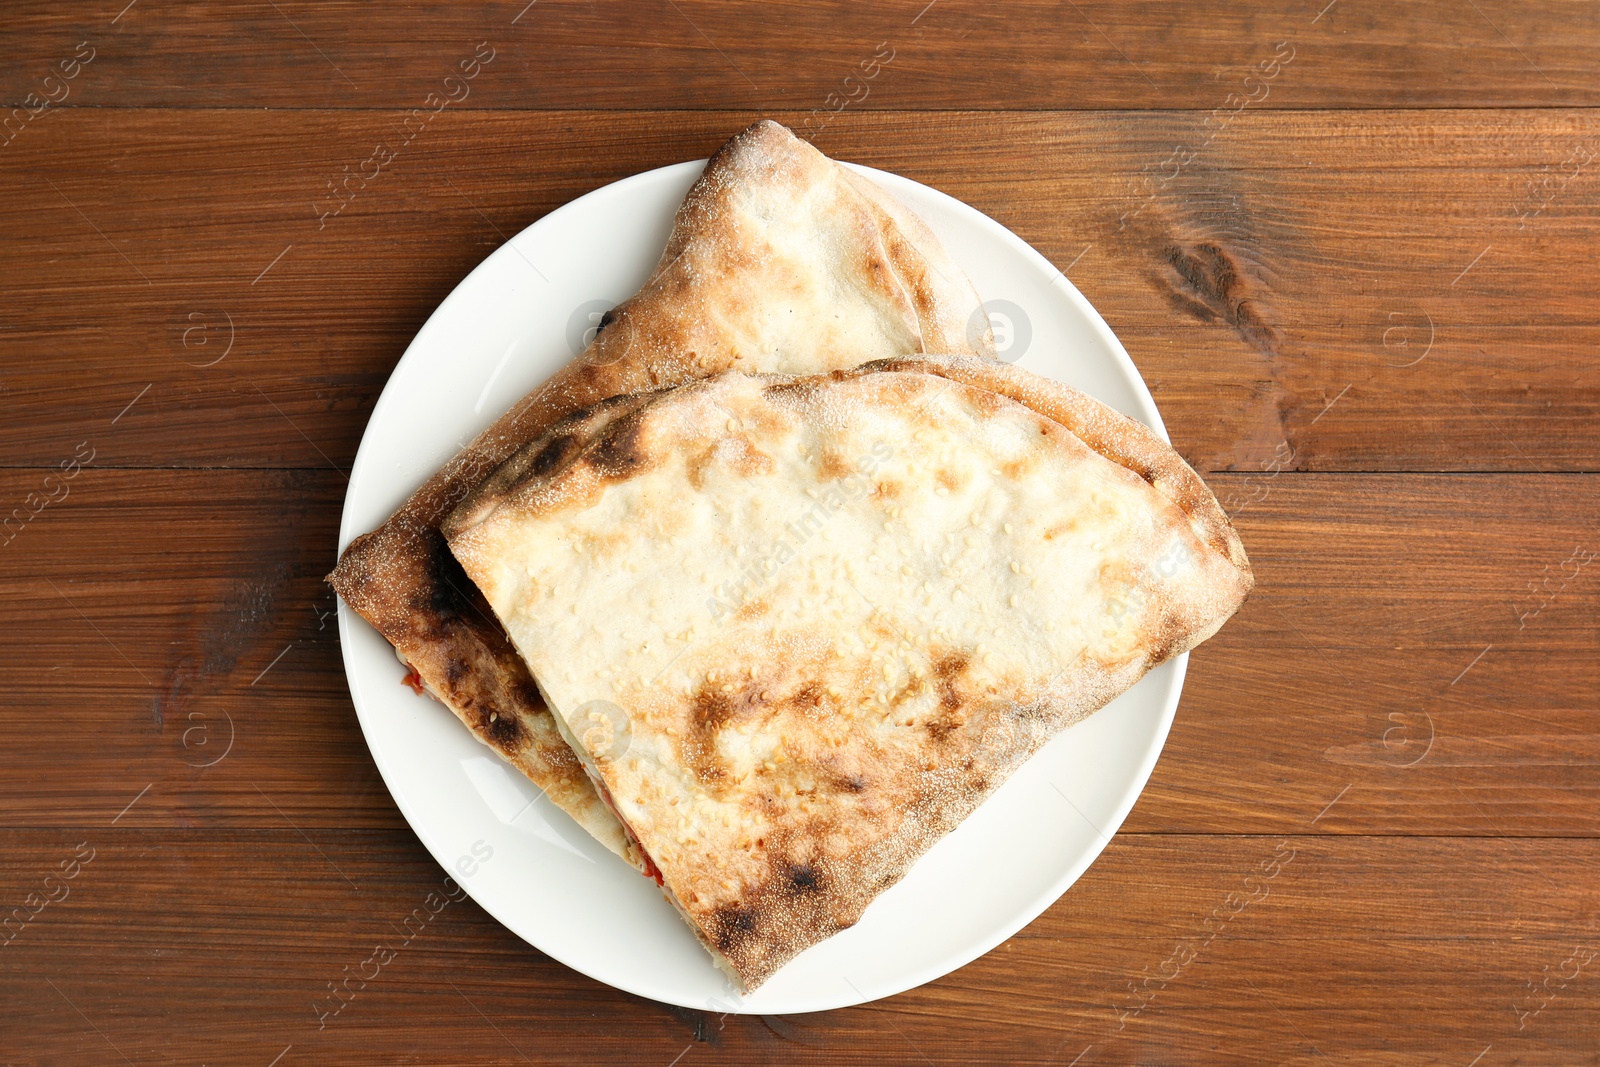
{"x":780,"y":260}
{"x":798,"y":627}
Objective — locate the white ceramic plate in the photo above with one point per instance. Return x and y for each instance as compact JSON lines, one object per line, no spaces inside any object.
{"x":514,"y":320}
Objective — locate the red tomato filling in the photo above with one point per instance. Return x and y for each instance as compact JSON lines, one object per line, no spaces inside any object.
{"x":650,"y":869}
{"x":414,"y":681}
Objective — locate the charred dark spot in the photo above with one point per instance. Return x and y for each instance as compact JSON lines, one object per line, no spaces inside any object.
{"x":618,"y":452}
{"x":444,"y":595}
{"x":731,"y":924}
{"x":455,"y":670}
{"x":504,"y":729}
{"x":852,"y":783}
{"x":803,"y":878}
{"x":527,"y":691}
{"x":552,"y":455}
{"x":606,"y":320}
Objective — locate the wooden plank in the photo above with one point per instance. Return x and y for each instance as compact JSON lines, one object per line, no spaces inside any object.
{"x":183,"y":614}
{"x":1418,"y":649}
{"x":1414,"y":646}
{"x":216,"y":946}
{"x":713,"y":53}
{"x":1296,"y":290}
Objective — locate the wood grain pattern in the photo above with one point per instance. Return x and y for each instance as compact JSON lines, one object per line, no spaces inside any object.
{"x":1355,"y":242}
{"x":952,"y":54}
{"x":1270,"y":299}
{"x":1352,"y":663}
{"x":1175,"y":943}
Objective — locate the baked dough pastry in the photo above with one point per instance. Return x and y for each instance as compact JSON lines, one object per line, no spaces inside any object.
{"x":780,"y":260}
{"x":798,"y":627}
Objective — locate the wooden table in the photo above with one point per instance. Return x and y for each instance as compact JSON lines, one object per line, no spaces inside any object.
{"x":1352,"y":248}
